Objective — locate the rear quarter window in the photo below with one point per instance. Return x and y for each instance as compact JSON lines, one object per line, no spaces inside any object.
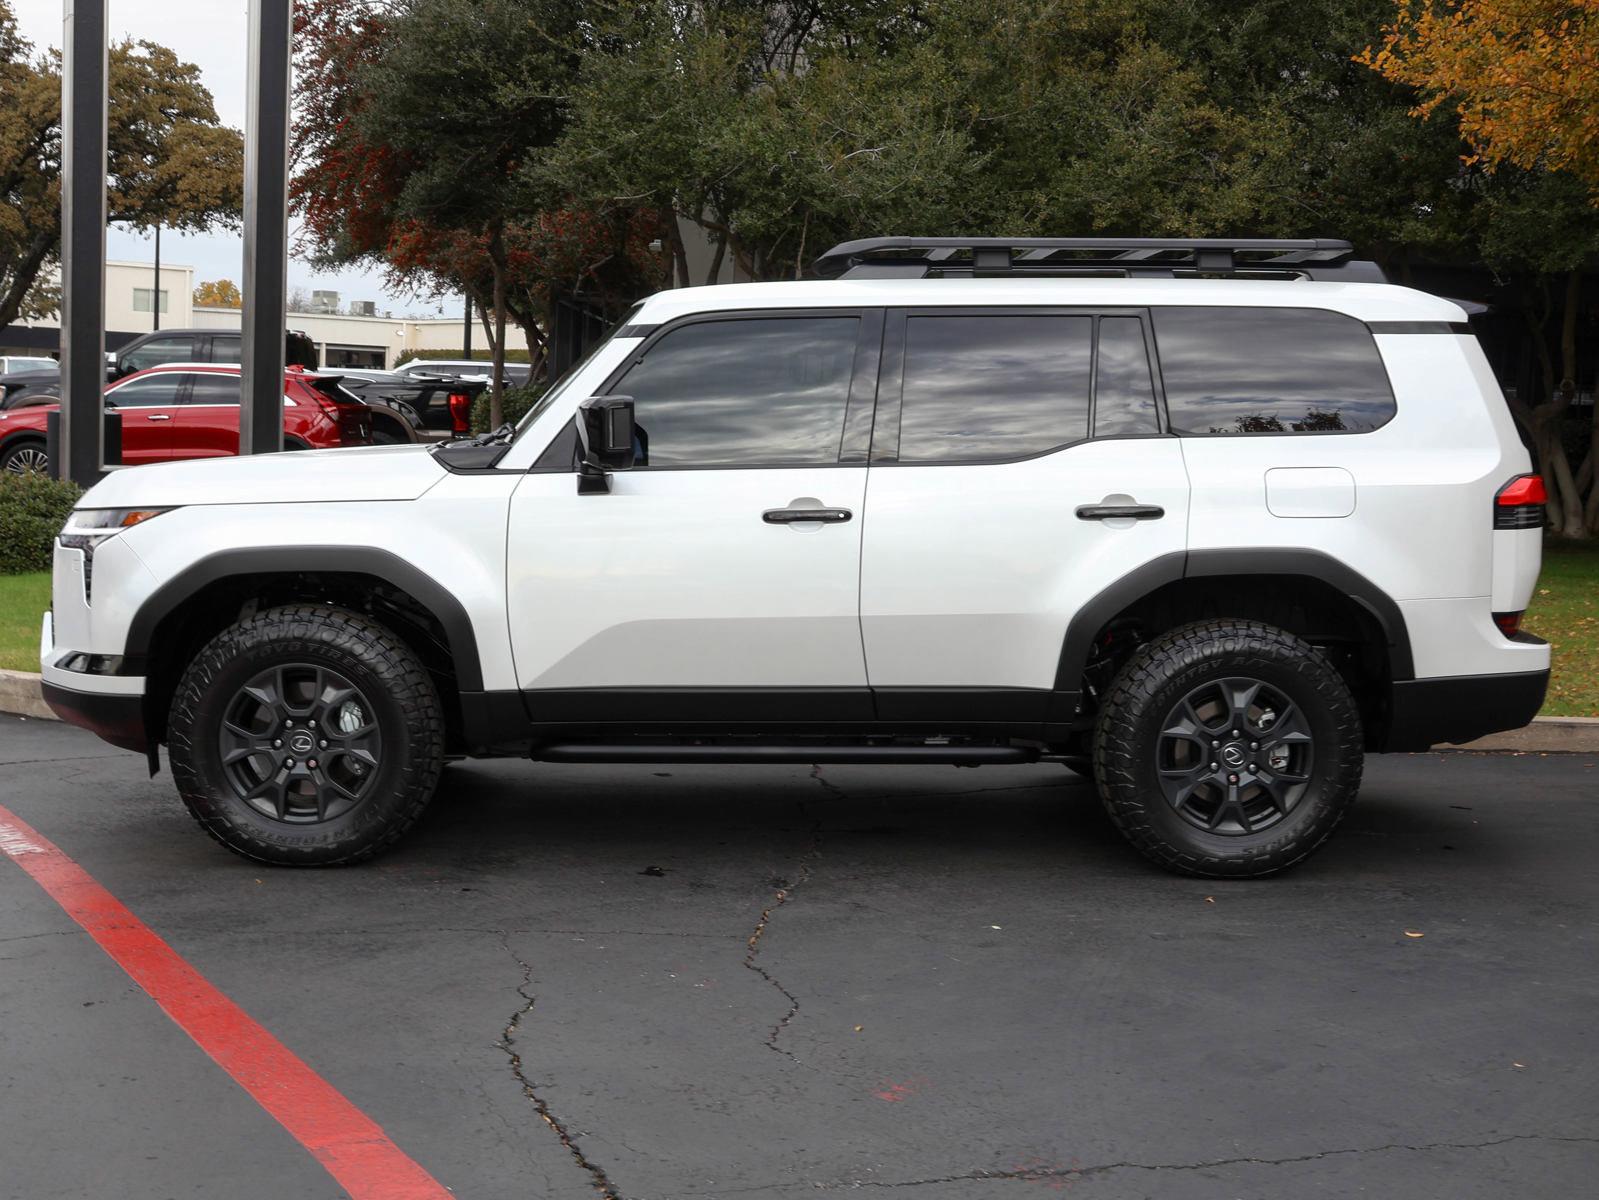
{"x":1270,"y":371}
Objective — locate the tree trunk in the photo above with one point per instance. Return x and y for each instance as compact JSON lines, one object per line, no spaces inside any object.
{"x":1571,"y":523}
{"x":24,"y":274}
{"x":496,"y":380}
{"x":716,"y":259}
{"x":674,"y":239}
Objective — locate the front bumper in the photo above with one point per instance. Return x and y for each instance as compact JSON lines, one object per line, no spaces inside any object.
{"x":115,"y":719}
{"x":1461,"y":708}
{"x":109,"y":706}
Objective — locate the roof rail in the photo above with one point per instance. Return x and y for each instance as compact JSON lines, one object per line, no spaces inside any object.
{"x":915,"y":258}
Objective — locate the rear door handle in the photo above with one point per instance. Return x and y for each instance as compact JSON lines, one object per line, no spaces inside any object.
{"x":1105,"y":512}
{"x":159,"y":417}
{"x":793,"y":516}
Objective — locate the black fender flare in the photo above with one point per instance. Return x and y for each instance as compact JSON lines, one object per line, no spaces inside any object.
{"x":1198,"y":564}
{"x":342,"y":560}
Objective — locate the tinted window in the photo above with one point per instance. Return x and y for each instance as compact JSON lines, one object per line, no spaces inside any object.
{"x":153,"y":390}
{"x":1124,"y":392}
{"x":226,"y":349}
{"x":211,"y":388}
{"x":157,"y":351}
{"x":1270,"y":370}
{"x":996,"y":387}
{"x":728,"y":393}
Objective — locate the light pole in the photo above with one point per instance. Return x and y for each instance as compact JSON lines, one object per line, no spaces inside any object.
{"x":83,"y":215}
{"x":266,"y":226}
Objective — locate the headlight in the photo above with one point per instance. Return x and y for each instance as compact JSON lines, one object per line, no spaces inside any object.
{"x":86,"y":528}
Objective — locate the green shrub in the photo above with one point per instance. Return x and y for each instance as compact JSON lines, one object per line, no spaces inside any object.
{"x":33,"y":508}
{"x":514,"y":405}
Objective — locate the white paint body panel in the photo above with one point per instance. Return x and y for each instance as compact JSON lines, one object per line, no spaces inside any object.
{"x":456,"y":535}
{"x":1310,"y":492}
{"x":298,"y":477}
{"x":971,"y":573}
{"x":674,"y":580}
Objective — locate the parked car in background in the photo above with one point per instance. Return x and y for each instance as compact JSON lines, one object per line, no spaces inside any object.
{"x":163,"y":346}
{"x":416,"y":408}
{"x":516,"y":374}
{"x":10,"y":364}
{"x":191,"y":410}
{"x":18,"y":388}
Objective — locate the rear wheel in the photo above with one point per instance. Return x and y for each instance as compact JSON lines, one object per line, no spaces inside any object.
{"x":306,"y":737}
{"x":25,"y":457}
{"x":1228,"y":749}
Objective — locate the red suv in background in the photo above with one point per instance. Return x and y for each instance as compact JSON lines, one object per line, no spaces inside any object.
{"x":191,"y":410}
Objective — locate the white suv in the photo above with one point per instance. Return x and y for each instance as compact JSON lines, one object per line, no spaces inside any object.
{"x":1207,"y":519}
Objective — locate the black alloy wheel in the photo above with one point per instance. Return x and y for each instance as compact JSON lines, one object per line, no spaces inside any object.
{"x":1235,"y":756}
{"x":300,"y":743}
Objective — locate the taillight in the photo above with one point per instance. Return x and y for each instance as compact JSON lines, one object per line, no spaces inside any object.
{"x":1519,"y":504}
{"x":1509,"y":623}
{"x":461,"y":412}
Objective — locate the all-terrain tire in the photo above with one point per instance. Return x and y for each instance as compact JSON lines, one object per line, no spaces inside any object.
{"x":406,"y":713}
{"x":1128,"y":743}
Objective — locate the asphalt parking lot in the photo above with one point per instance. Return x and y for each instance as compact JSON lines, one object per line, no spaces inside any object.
{"x":777,"y":982}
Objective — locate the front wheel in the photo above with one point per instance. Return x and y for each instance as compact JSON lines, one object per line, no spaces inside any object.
{"x":1228,"y":749}
{"x":306,"y":736}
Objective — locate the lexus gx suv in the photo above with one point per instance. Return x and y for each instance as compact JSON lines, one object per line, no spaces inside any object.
{"x":1206,"y":520}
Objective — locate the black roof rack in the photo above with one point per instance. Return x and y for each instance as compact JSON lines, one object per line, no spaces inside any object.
{"x":1273,"y":258}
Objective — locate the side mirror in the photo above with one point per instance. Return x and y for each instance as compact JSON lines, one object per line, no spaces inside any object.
{"x":605,"y":441}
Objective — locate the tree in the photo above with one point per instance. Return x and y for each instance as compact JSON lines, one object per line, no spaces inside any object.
{"x":218,"y":293}
{"x":1522,"y":76}
{"x":412,"y":124}
{"x":1521,"y":79}
{"x":170,"y":161}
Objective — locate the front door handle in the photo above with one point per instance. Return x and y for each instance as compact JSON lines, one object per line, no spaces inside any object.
{"x":159,"y":417}
{"x":793,"y":516}
{"x":1106,"y":512}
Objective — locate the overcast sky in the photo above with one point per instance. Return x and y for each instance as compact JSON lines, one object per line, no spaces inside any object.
{"x":210,"y":33}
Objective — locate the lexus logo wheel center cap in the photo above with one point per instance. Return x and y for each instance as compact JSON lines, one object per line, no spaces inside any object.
{"x":1234,"y":754}
{"x":302,"y":742}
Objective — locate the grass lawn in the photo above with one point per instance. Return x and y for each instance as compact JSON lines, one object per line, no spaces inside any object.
{"x":23,"y":599}
{"x":1565,"y":612}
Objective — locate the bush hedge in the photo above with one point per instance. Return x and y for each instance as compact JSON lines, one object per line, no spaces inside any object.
{"x":33,"y":508}
{"x":514,"y":405}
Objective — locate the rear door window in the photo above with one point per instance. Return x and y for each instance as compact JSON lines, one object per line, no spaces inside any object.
{"x":994,"y":388}
{"x":212,"y":388}
{"x":1270,"y":370}
{"x":1124,"y":390}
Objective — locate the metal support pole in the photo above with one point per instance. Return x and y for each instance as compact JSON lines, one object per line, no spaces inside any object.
{"x":466,"y":331}
{"x":266,"y":226}
{"x":83,"y":214}
{"x":155,"y":304}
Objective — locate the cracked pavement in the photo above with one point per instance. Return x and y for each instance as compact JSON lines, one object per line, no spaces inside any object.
{"x":644,"y":983}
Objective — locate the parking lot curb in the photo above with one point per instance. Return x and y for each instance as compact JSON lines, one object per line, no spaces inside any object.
{"x":20,"y":696}
{"x":1545,"y":734}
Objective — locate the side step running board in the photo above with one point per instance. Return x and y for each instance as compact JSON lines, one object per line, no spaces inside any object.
{"x":592,"y":752}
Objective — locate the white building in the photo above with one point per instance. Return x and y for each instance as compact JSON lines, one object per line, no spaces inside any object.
{"x":351,"y":341}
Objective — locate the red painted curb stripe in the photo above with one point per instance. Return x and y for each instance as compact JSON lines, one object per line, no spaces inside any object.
{"x":348,"y":1143}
